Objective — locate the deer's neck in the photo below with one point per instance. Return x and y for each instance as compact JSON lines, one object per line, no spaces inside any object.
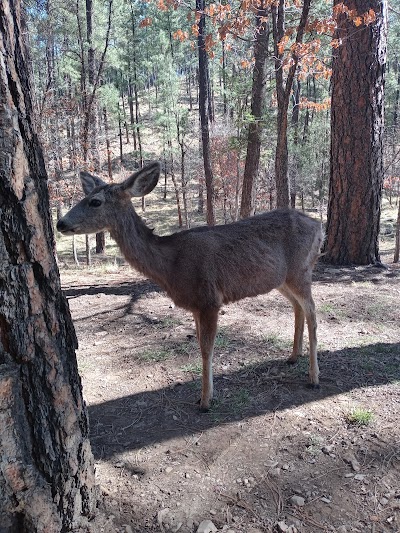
{"x":142,"y":249}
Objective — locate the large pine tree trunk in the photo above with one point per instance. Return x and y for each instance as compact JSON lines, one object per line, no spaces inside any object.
{"x":247,"y":206}
{"x":46,"y":465}
{"x":356,"y":140}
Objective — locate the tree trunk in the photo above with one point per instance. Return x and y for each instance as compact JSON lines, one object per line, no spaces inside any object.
{"x":135,"y":87}
{"x":247,"y":207}
{"x":203,"y":98}
{"x":296,"y":159}
{"x":108,"y":145}
{"x":46,"y":465}
{"x":283,"y":89}
{"x":131,"y":112}
{"x":356,"y":138}
{"x":397,"y":237}
{"x":224,"y":87}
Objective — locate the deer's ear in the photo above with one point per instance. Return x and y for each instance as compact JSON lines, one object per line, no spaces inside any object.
{"x":90,"y":182}
{"x":143,"y":181}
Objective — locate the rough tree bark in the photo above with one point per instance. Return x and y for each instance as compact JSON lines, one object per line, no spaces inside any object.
{"x":46,"y":465}
{"x":247,"y":206}
{"x":356,"y":172}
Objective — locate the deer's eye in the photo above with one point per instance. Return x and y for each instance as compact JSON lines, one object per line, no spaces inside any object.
{"x":95,"y":202}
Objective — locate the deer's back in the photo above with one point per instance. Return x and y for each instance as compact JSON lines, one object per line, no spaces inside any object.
{"x":221,"y":264}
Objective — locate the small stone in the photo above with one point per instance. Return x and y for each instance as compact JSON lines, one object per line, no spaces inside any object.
{"x":187,"y":475}
{"x":328,"y":449}
{"x":161,"y":516}
{"x":275,"y":472}
{"x":271,"y":464}
{"x":282,"y":527}
{"x":213,"y":512}
{"x":206,"y":526}
{"x":285,"y":467}
{"x":352,"y":461}
{"x":325,"y":500}
{"x":297,"y":500}
{"x":341,"y":529}
{"x":293,"y":521}
{"x":383,"y":501}
{"x":359,"y":477}
{"x":168,"y":470}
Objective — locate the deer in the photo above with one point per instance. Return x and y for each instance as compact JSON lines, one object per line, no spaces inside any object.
{"x":204,"y":268}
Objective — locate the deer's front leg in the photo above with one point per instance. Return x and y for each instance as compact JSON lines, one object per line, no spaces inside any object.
{"x":298,"y":332}
{"x":206,"y":329}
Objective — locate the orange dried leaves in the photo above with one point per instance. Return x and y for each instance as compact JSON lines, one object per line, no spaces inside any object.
{"x":352,"y":14}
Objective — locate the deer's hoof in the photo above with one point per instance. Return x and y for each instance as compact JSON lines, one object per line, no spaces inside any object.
{"x":203,"y":408}
{"x":313,"y":386}
{"x":293,"y":359}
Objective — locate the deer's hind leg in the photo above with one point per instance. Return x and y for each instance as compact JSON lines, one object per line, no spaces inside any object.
{"x":206,"y":330}
{"x":299,"y":319}
{"x":302,"y":294}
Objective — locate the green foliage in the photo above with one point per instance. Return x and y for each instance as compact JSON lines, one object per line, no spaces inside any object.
{"x":360,"y":417}
{"x":155,"y":50}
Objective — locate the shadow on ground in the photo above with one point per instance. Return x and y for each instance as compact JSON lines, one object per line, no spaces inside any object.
{"x":146,"y":418}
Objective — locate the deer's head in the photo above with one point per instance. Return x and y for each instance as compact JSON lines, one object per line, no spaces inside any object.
{"x":104,"y":203}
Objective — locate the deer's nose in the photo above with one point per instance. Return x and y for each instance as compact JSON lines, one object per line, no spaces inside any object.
{"x":62,"y":225}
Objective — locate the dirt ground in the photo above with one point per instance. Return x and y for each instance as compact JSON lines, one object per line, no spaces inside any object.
{"x":271,"y":455}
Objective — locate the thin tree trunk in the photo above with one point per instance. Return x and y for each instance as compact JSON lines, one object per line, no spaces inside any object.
{"x":203,"y":99}
{"x":74,"y":250}
{"x":283,"y":89}
{"x":295,"y":124}
{"x":125,"y":120}
{"x":224,"y":88}
{"x":121,"y":151}
{"x":397,"y":237}
{"x":131,"y":112}
{"x":106,"y":131}
{"x":247,"y":207}
{"x":135,"y":87}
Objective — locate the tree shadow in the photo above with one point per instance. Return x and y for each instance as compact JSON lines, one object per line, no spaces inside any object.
{"x":135,"y":421}
{"x":135,"y":289}
{"x":327,"y":273}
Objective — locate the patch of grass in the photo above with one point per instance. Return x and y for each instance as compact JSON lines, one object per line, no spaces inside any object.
{"x":327,"y":308}
{"x":240,"y":399}
{"x":221,"y":340}
{"x":194,"y":368}
{"x":155,"y":355}
{"x":169,"y":323}
{"x":186,"y":348}
{"x":360,"y":417}
{"x":313,"y":445}
{"x":277,"y":343}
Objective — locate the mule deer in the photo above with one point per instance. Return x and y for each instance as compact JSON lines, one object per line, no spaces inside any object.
{"x":203,"y":268}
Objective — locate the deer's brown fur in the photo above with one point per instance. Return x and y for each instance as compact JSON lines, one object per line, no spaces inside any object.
{"x":203,"y":268}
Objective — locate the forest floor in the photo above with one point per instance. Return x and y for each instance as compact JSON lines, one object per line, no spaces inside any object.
{"x":271,"y":455}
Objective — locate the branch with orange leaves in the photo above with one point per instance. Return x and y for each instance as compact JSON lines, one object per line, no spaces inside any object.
{"x":278,"y":15}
